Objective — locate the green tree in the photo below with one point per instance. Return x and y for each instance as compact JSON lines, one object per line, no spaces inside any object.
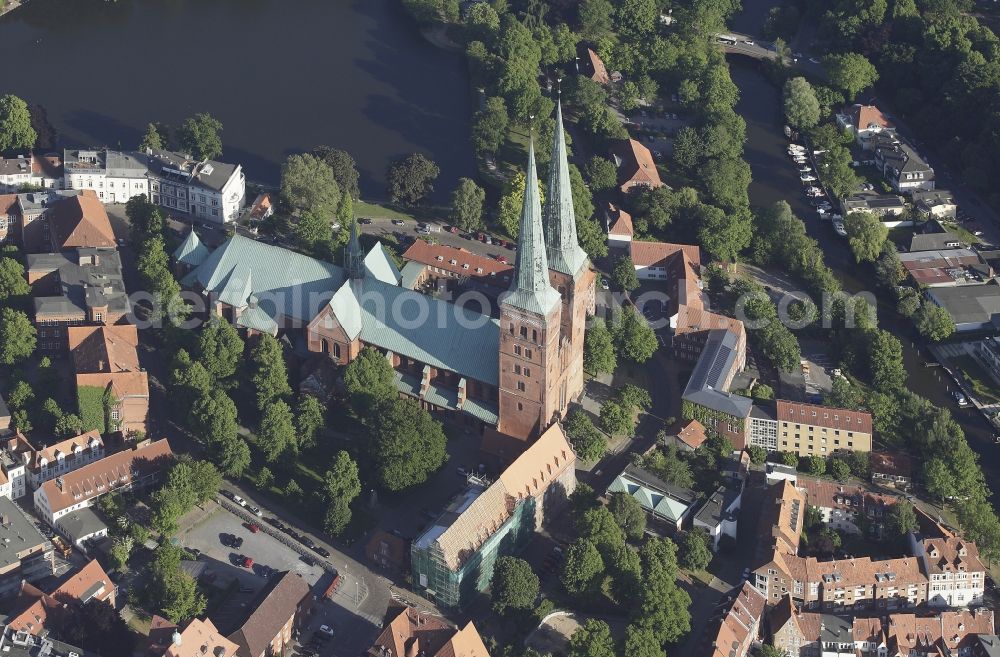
{"x":268,"y":373}
{"x":511,"y":202}
{"x":233,"y":455}
{"x":616,"y":419}
{"x":628,"y":514}
{"x":801,"y":105}
{"x":636,"y":18}
{"x":592,"y":639}
{"x":17,"y":336}
{"x":151,"y":139}
{"x":602,"y":174}
{"x":345,"y":213}
{"x":68,"y":425}
{"x":789,"y":458}
{"x":145,"y":219}
{"x":694,"y":553}
{"x":587,"y":440}
{"x":641,"y":642}
{"x":900,"y":519}
{"x":662,"y":607}
{"x":598,"y":349}
{"x":407,"y":443}
{"x":724,"y":235}
{"x":634,"y":398}
{"x":467,"y":205}
{"x":815,"y":465}
{"x":310,"y":418}
{"x":838,"y":469}
{"x":866,"y":235}
{"x":514,"y":585}
{"x":489,"y":126}
{"x":277,"y":430}
{"x":757,"y":454}
{"x":308,"y":184}
{"x":689,"y":149}
{"x":199,"y":136}
{"x":221,"y":348}
{"x":624,"y":274}
{"x":13,"y":285}
{"x":909,"y":303}
{"x":633,"y":336}
{"x":668,"y":465}
{"x":885,"y":359}
{"x":851,"y":72}
{"x":411,"y":179}
{"x":213,"y":416}
{"x":341,"y":486}
{"x":345,"y":169}
{"x":16,"y":132}
{"x":582,"y":566}
{"x":171,"y":591}
{"x":933,"y":322}
{"x":595,"y":18}
{"x":369,"y":379}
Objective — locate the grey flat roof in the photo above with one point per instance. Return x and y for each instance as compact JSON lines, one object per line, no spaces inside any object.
{"x":81,"y":523}
{"x":968,"y":303}
{"x":707,"y":385}
{"x":210,"y":175}
{"x":22,"y":644}
{"x":713,"y":510}
{"x":81,"y":286}
{"x":17,"y":534}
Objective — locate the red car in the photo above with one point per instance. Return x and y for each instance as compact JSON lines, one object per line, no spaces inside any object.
{"x":247,"y":562}
{"x":253,"y":527}
{"x":452,"y":229}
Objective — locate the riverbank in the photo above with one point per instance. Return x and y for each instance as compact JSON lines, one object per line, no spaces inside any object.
{"x":7,"y":6}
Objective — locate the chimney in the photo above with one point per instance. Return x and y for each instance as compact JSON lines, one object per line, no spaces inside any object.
{"x":176,"y":637}
{"x":219,"y":651}
{"x":204,"y":648}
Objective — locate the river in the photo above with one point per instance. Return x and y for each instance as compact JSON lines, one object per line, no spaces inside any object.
{"x":775,"y":178}
{"x":282,"y":76}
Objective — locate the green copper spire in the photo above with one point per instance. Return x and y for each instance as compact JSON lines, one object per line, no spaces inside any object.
{"x":565,"y":254}
{"x":530,"y":290}
{"x":354,"y":260}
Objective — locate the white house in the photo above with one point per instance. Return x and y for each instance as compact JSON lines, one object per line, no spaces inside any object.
{"x":116,"y":177}
{"x":957,"y":576}
{"x":719,"y":514}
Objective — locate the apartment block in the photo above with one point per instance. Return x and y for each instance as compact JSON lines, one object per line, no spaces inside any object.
{"x":812,"y":430}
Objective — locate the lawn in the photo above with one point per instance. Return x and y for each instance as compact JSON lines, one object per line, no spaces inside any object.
{"x":982,"y":384}
{"x":376,"y":211}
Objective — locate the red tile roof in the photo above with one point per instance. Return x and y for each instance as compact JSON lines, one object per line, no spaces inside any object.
{"x":891,"y":463}
{"x":459,"y":262}
{"x":865,"y":116}
{"x":413,"y":633}
{"x":620,"y":221}
{"x":657,"y":254}
{"x":600,"y":74}
{"x":636,"y":165}
{"x":80,"y":221}
{"x":824,"y":416}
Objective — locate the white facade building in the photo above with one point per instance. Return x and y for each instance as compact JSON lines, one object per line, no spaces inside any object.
{"x":957,"y":576}
{"x":115,"y":177}
{"x":29,"y":169}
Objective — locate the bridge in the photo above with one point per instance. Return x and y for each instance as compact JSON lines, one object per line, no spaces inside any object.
{"x":734,"y":43}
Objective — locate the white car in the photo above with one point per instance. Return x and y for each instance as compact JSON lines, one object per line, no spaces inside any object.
{"x":807,"y":178}
{"x":960,"y":398}
{"x":822,"y":210}
{"x":838,"y":227}
{"x":257,"y":512}
{"x":604,"y":284}
{"x":326,"y":629}
{"x":806,"y":169}
{"x":239,"y":500}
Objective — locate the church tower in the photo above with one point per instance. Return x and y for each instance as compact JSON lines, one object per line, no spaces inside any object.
{"x":569,"y":269}
{"x":530,"y":330}
{"x":354,"y":259}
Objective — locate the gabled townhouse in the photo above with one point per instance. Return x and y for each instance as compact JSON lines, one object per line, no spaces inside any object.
{"x":847,"y":508}
{"x":935,"y":204}
{"x":619,"y":226}
{"x":891,"y":469}
{"x":200,"y":638}
{"x":592,"y":66}
{"x":38,"y":612}
{"x":281,"y":610}
{"x":411,"y":632}
{"x":457,"y":265}
{"x":865,"y":122}
{"x":957,"y":576}
{"x":31,"y":170}
{"x":740,"y":625}
{"x":114,"y":176}
{"x":636,"y":167}
{"x":53,"y":460}
{"x":129,"y":469}
{"x":10,"y":225}
{"x":901,"y":166}
{"x":107,"y":358}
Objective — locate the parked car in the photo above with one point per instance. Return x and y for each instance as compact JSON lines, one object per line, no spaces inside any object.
{"x":239,"y":500}
{"x":256,"y":511}
{"x":604,"y":284}
{"x":321,"y":551}
{"x":326,"y":629}
{"x":365,"y":221}
{"x":246,"y":562}
{"x":960,"y":398}
{"x":838,"y":227}
{"x":398,"y":222}
{"x":253,"y":527}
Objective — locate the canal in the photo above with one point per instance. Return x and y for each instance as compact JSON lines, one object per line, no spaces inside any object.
{"x":282,"y":75}
{"x":775,"y":178}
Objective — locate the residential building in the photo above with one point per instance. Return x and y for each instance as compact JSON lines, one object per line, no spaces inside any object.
{"x":453,"y":559}
{"x":38,"y":612}
{"x":775,"y":472}
{"x":459,"y":265}
{"x":972,"y":307}
{"x":199,"y":639}
{"x":957,"y":576}
{"x":619,"y":226}
{"x":510,"y":378}
{"x":668,"y":506}
{"x":813,"y":430}
{"x":900,"y":165}
{"x":935,"y":204}
{"x":847,"y":508}
{"x":655,"y":260}
{"x":891,"y":469}
{"x":687,"y":435}
{"x":128,"y":470}
{"x":24,"y":644}
{"x":114,"y":176}
{"x":935,"y":241}
{"x":740,"y":625}
{"x":283,"y":608}
{"x":706,"y":396}
{"x":43,"y":464}
{"x":719,"y":514}
{"x":10,"y":228}
{"x":261,"y":208}
{"x":30,"y":169}
{"x":79,"y":221}
{"x":591,"y":65}
{"x":107,"y":357}
{"x":865,"y":122}
{"x":29,"y":218}
{"x":801,"y":633}
{"x":948,"y":268}
{"x":411,"y":632}
{"x":208,"y":190}
{"x":25,"y":554}
{"x":884,"y":206}
{"x":82,"y":286}
{"x":635,"y":164}
{"x":763,"y":428}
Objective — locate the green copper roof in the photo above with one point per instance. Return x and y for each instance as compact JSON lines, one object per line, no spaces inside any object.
{"x":561,"y":244}
{"x":191,"y":251}
{"x":381,"y":266}
{"x":257,"y":320}
{"x":654,"y":495}
{"x":286,"y":283}
{"x":530,"y":289}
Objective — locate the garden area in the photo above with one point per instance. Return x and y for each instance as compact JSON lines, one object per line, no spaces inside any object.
{"x":975,"y":375}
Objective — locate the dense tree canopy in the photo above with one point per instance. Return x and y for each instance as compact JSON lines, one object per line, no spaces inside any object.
{"x":407,"y":443}
{"x":514,"y":585}
{"x":200,"y":136}
{"x":411,"y":179}
{"x":16,"y":132}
